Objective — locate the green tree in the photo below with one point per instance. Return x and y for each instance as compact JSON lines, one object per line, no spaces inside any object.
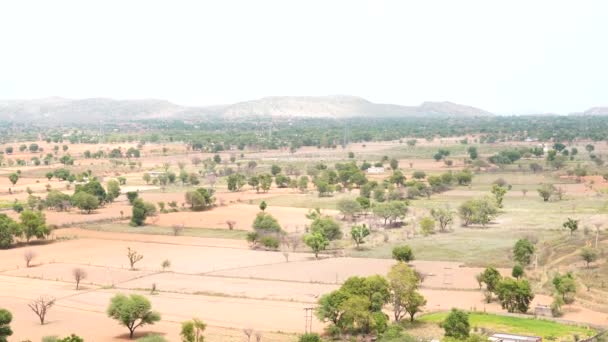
{"x":517,"y":272}
{"x":192,"y":331}
{"x":546,"y":191}
{"x":394,"y":163}
{"x":85,"y":202}
{"x":565,"y":286}
{"x":94,"y":188}
{"x":113,"y":190}
{"x":303,"y":183}
{"x":147,"y":178}
{"x":133,"y":311}
{"x":457,"y":325}
{"x":348,"y":207}
{"x":235,"y":182}
{"x":571,"y":225}
{"x":326,"y":226}
{"x":514,"y":295}
{"x":472,"y":151}
{"x":33,"y":224}
{"x":405,"y":299}
{"x":427,"y":225}
{"x":477,"y":211}
{"x":317,"y":242}
{"x":140,"y":211}
{"x":444,"y":217}
{"x":523,"y":251}
{"x":263,"y":206}
{"x":265,"y":223}
{"x":13,"y":178}
{"x":491,"y":277}
{"x":132,"y":196}
{"x":5,"y":320}
{"x":310,"y":337}
{"x":275,"y":170}
{"x":57,"y":200}
{"x":403,"y":253}
{"x":200,"y":199}
{"x":9,"y":229}
{"x":589,"y":255}
{"x":499,"y":193}
{"x":358,"y":233}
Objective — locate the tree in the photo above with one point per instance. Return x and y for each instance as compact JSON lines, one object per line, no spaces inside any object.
{"x":41,"y":306}
{"x":499,"y":194}
{"x":79,"y":274}
{"x":310,"y":337}
{"x":326,"y":226}
{"x":404,"y":282}
{"x":517,"y":272}
{"x":359,"y":233}
{"x":265,"y":223}
{"x":403,"y":253}
{"x":491,"y":277}
{"x":8,"y":230}
{"x":192,"y":331}
{"x":147,"y":178}
{"x":565,"y":286}
{"x":57,"y":200}
{"x":33,"y":224}
{"x":85,"y":201}
{"x":134,"y":257}
{"x":444,"y":217}
{"x":571,"y":225}
{"x":132,"y":196}
{"x":275,"y":170}
{"x":235,"y":182}
{"x":28,"y":256}
{"x":589,"y":255}
{"x":514,"y":295}
{"x":13,"y":177}
{"x":263,"y":206}
{"x":546,"y":191}
{"x":472,"y":151}
{"x":481,"y":211}
{"x":140,"y":211}
{"x":523,"y":251}
{"x":457,"y":325}
{"x":348,"y":207}
{"x":200,"y":199}
{"x":317,"y":242}
{"x":5,"y":320}
{"x":133,"y":311}
{"x":394,"y":163}
{"x":93,"y":187}
{"x":303,"y":183}
{"x":427,"y":225}
{"x":113,"y":190}
{"x":165,"y":264}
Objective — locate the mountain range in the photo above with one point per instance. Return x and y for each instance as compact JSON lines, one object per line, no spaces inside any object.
{"x":63,"y":110}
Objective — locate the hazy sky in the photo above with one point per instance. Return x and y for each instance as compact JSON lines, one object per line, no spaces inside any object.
{"x":502,"y":56}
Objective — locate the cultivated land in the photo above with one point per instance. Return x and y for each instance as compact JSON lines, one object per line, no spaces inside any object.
{"x":217,"y":276}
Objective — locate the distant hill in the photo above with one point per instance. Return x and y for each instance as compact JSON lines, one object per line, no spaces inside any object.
{"x":596,"y":111}
{"x":101,"y":109}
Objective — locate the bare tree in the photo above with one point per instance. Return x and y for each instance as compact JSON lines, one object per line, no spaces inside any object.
{"x":258,"y":336}
{"x":79,"y":274}
{"x":177,"y":229}
{"x":41,"y":306}
{"x":294,"y":241}
{"x":248,"y":332}
{"x":231,"y":224}
{"x":165,"y":264}
{"x":133,"y":256}
{"x":28,"y":256}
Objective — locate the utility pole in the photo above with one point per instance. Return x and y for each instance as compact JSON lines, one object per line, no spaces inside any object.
{"x":308,"y":320}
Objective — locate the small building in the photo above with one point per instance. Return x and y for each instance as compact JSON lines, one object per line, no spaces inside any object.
{"x":514,"y":338}
{"x":375,"y":170}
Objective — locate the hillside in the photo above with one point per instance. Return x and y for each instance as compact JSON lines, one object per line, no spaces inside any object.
{"x":102,"y":109}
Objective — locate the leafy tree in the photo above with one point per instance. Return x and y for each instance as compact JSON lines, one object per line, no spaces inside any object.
{"x":514,"y":295}
{"x":265,"y":181}
{"x":132,"y":196}
{"x":463,"y":177}
{"x":394,"y":163}
{"x":147,"y":178}
{"x":200,"y":199}
{"x":263,"y":206}
{"x":491,"y":277}
{"x":403,"y":253}
{"x":265,"y":223}
{"x":282,"y":181}
{"x":5,"y":320}
{"x":33,"y":224}
{"x":8,"y":230}
{"x":235,"y":182}
{"x":192,"y":331}
{"x":348,"y":207}
{"x":359,"y":233}
{"x":589,"y":255}
{"x":427,"y":225}
{"x":404,"y":283}
{"x":57,"y":200}
{"x":444,"y":217}
{"x":310,"y":337}
{"x":499,"y":194}
{"x":140,"y":211}
{"x":133,"y":311}
{"x":275,"y":170}
{"x":327,"y":227}
{"x":517,"y":272}
{"x":85,"y":202}
{"x":546,"y":191}
{"x":317,"y":242}
{"x":472,"y":151}
{"x":523,"y":251}
{"x":303,"y":183}
{"x":571,"y":225}
{"x":457,"y":325}
{"x":254,"y":182}
{"x":113,"y":190}
{"x":13,"y":178}
{"x":477,"y":211}
{"x":565,"y":286}
{"x":94,"y":188}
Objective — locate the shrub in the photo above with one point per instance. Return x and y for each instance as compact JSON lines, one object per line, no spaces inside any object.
{"x":270,"y":242}
{"x":403,"y":253}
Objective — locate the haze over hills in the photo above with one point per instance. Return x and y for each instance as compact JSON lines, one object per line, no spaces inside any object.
{"x":102,"y":109}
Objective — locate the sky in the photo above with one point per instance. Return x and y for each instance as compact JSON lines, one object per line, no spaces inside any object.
{"x":507,"y":57}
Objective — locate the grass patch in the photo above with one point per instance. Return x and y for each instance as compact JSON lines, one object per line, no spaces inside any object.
{"x":159,"y":230}
{"x":517,"y":325}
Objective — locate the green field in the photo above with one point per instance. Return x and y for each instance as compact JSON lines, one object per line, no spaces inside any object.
{"x":526,"y":326}
{"x":158,"y":230}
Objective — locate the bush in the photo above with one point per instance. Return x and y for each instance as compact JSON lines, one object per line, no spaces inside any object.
{"x":310,"y":337}
{"x":403,"y":253}
{"x":270,"y":242}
